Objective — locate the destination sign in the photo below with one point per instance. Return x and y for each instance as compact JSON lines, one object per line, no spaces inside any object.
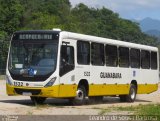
{"x":35,"y":36}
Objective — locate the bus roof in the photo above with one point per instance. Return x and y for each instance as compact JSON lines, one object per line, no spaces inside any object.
{"x":76,"y":36}
{"x":36,"y":31}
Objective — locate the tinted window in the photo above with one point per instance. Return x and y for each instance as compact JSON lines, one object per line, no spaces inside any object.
{"x":153,"y":60}
{"x":123,"y":57}
{"x":97,"y":53}
{"x":83,"y":52}
{"x":145,"y":59}
{"x":111,"y":55}
{"x":38,"y":55}
{"x":67,"y":59}
{"x":135,"y":58}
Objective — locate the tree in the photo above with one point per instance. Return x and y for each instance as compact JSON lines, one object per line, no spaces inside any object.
{"x":48,"y":14}
{"x":11,"y":13}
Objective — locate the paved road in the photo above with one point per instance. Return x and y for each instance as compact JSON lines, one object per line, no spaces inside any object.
{"x":21,"y":105}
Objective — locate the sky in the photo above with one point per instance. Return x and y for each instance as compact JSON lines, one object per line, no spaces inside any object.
{"x":128,"y":9}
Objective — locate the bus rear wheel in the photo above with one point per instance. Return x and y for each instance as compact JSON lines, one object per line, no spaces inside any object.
{"x":80,"y":96}
{"x":131,"y":96}
{"x":38,"y":100}
{"x":132,"y":93}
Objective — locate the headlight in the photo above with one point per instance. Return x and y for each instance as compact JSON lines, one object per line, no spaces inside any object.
{"x":51,"y":82}
{"x":8,"y":81}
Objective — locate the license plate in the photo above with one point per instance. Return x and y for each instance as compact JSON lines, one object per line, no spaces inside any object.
{"x":27,"y":93}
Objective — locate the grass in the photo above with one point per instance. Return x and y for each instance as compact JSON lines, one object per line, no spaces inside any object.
{"x":147,"y":110}
{"x":104,"y":111}
{"x":129,"y":108}
{"x":2,"y":77}
{"x":41,"y":106}
{"x":150,"y":109}
{"x":117,"y":109}
{"x":140,"y":110}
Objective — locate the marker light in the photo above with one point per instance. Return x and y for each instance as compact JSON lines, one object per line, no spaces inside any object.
{"x":56,"y":29}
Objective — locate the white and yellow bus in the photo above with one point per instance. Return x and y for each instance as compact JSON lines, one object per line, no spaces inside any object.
{"x":60,"y":64}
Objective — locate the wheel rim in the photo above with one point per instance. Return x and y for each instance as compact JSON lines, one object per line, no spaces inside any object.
{"x":80,"y":95}
{"x":133,"y":93}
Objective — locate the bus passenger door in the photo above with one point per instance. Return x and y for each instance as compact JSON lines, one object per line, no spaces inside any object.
{"x":67,"y":74}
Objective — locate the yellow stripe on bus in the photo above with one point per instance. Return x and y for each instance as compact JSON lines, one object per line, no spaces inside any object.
{"x":120,"y":89}
{"x":147,"y":88}
{"x":111,"y":89}
{"x":62,"y":91}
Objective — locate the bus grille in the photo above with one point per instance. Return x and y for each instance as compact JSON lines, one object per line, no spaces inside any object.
{"x":33,"y":91}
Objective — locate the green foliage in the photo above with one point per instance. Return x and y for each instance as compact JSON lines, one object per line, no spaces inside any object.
{"x":40,"y":21}
{"x":48,"y":14}
{"x":11,"y":12}
{"x":151,"y":109}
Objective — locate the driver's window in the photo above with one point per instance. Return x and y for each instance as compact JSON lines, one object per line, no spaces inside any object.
{"x":67,"y":59}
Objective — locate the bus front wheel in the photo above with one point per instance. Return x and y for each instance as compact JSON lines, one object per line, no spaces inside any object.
{"x":38,"y":100}
{"x":80,"y":96}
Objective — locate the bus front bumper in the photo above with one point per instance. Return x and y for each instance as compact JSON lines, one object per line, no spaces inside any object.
{"x":29,"y":91}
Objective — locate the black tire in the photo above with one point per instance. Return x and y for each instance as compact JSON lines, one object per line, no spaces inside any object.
{"x":80,"y":97}
{"x":132,"y":93}
{"x":38,"y":100}
{"x":131,"y":96}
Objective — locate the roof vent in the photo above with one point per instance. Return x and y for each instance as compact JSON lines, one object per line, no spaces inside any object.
{"x":56,"y":29}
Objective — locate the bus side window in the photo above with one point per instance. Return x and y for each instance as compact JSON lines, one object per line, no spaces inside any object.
{"x":154,"y":60}
{"x":145,"y":59}
{"x":97,"y":54}
{"x":111,"y":55}
{"x":123,"y":57}
{"x":83,"y":52}
{"x":66,"y":59}
{"x":135,"y":58}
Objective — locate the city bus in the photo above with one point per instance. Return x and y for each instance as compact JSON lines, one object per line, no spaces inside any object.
{"x":59,"y":64}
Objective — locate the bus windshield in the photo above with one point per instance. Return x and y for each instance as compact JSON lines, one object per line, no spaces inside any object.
{"x":33,"y":58}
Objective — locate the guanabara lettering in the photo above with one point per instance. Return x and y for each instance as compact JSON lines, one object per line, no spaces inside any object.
{"x":110,"y":75}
